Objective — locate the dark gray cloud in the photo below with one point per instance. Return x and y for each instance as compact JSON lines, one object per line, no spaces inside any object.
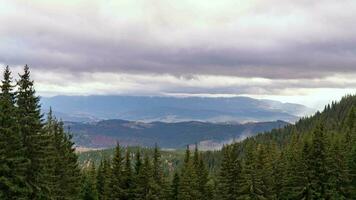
{"x":298,"y":41}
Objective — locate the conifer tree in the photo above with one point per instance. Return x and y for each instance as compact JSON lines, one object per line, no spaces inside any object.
{"x":159,"y":186}
{"x":64,"y":179}
{"x":318,"y":164}
{"x":203,"y":178}
{"x":229,"y":175}
{"x":339,"y":182}
{"x":188,"y":185}
{"x":127,"y":178}
{"x":174,"y":187}
{"x":34,"y":141}
{"x":103,"y":180}
{"x":350,"y":140}
{"x":139,"y":177}
{"x":116,"y":182}
{"x":157,"y":167}
{"x":89,"y":190}
{"x":150,"y":189}
{"x":292,"y":168}
{"x":250,"y":184}
{"x":13,"y":163}
{"x":70,"y":180}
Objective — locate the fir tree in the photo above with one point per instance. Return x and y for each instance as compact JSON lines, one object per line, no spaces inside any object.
{"x":158,"y":180}
{"x":318,"y":164}
{"x":13,"y":164}
{"x":188,"y":185}
{"x":250,"y":184}
{"x":139,"y":178}
{"x":89,"y":190}
{"x":175,"y":187}
{"x":103,"y":180}
{"x":34,"y":141}
{"x":116,"y":182}
{"x":127,"y":178}
{"x":229,"y":175}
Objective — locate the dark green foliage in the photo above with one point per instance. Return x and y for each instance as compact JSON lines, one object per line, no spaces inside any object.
{"x":174,"y":187}
{"x":13,"y":163}
{"x":229,"y":175}
{"x":62,"y":166}
{"x":103,"y":180}
{"x":89,"y":190}
{"x":188,"y":184}
{"x":116,"y":179}
{"x":127,"y":178}
{"x":33,"y":137}
{"x":37,"y":159}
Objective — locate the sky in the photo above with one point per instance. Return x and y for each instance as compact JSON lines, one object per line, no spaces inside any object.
{"x":293,"y":51}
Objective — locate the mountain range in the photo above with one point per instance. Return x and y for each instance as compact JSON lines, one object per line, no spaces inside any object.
{"x":106,"y":133}
{"x":172,"y":109}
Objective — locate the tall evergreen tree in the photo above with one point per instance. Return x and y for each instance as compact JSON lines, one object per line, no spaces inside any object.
{"x":174,"y":187}
{"x":103,"y":180}
{"x":188,"y":185}
{"x":292,"y":168}
{"x":127,"y":178}
{"x":159,"y":186}
{"x":34,"y":141}
{"x":116,"y":182}
{"x":229,"y":175}
{"x":13,"y":163}
{"x":318,"y":164}
{"x":89,"y":190}
{"x":250,"y":184}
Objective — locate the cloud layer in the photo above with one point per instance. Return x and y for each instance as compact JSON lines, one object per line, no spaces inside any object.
{"x":280,"y":44}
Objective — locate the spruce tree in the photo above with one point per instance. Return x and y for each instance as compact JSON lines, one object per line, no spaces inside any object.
{"x":318,"y":164}
{"x":103,"y":178}
{"x":116,"y":181}
{"x":139,"y":177}
{"x":157,"y":172}
{"x":127,"y":178}
{"x":13,"y":163}
{"x":339,"y":187}
{"x":70,"y":180}
{"x":34,"y":141}
{"x":292,"y":170}
{"x":174,"y":187}
{"x":89,"y":190}
{"x":250,"y":184}
{"x":229,"y":175}
{"x":150,"y":188}
{"x":64,"y":179}
{"x":188,"y":185}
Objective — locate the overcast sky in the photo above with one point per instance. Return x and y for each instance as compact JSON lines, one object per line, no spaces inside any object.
{"x":300,"y":51}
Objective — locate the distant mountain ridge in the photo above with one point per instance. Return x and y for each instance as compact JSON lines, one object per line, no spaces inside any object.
{"x":172,"y":109}
{"x":106,"y":133}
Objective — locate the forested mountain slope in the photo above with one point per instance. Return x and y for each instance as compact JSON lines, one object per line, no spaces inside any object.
{"x":314,"y":159}
{"x":334,"y":118}
{"x":105,"y":134}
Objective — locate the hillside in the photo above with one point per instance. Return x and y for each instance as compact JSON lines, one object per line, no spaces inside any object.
{"x":172,"y":109}
{"x":333,"y":118}
{"x":167,"y":135}
{"x":313,"y":159}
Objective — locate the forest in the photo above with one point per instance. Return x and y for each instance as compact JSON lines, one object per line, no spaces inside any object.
{"x":312,"y":159}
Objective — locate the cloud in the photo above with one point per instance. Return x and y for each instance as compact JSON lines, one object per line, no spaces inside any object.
{"x":274,"y":49}
{"x":275,"y":39}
